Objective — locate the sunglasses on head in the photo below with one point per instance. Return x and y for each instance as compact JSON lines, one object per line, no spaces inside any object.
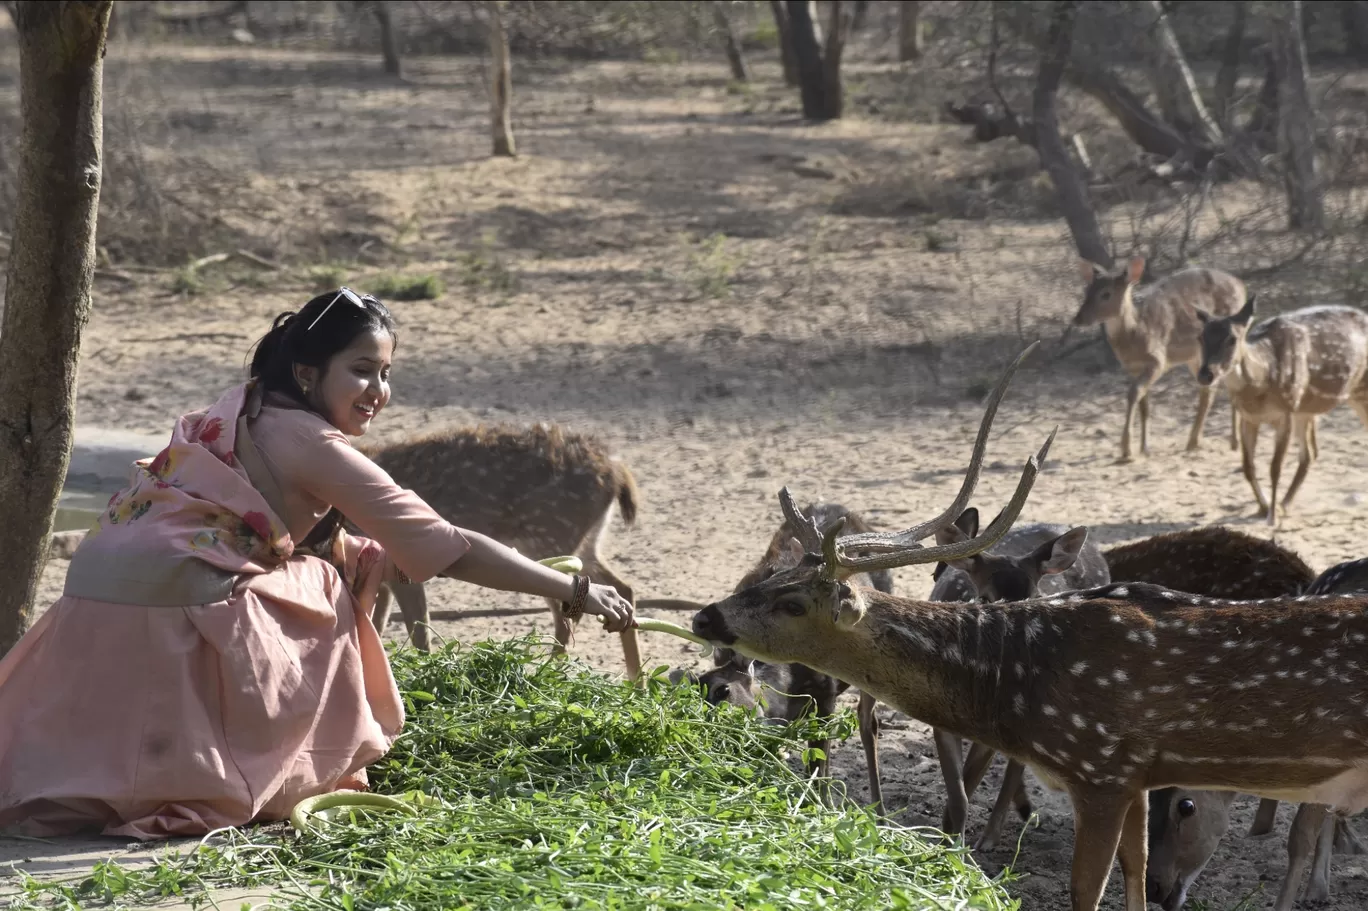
{"x":345,"y":293}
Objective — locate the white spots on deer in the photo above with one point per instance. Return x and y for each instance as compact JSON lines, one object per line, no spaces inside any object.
{"x":1078,"y":668}
{"x":1049,"y":710}
{"x":1078,"y":721}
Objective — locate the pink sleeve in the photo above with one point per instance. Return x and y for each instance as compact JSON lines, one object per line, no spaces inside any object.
{"x":416,"y":538}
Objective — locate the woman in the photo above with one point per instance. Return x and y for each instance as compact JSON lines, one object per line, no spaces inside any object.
{"x":201,"y":668}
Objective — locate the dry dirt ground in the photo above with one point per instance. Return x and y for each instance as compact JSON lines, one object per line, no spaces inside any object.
{"x":733,"y":299}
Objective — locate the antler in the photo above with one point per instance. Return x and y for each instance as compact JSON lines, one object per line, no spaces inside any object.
{"x":883,"y":542}
{"x":838,"y":565}
{"x":809,"y":536}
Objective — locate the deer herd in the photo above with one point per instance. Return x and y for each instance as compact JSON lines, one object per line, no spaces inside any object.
{"x":1151,"y":682}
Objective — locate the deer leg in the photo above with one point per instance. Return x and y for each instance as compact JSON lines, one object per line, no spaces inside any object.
{"x":952,"y":770}
{"x":1132,"y":397}
{"x":1234,"y":427}
{"x":1204,"y":396}
{"x":414,"y":607}
{"x":384,"y":602}
{"x":1318,"y":886}
{"x":1011,"y":783}
{"x":1133,"y":851}
{"x":869,"y":739}
{"x":1301,"y":840}
{"x":1264,"y":817}
{"x":1144,"y":422}
{"x":1305,"y":455}
{"x":1346,"y":842}
{"x":1275,"y":466}
{"x":1099,"y":817}
{"x":1249,"y":441}
{"x":600,"y":571}
{"x":976,"y":765}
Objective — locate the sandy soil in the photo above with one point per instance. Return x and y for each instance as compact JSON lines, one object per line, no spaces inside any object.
{"x":732,"y":299}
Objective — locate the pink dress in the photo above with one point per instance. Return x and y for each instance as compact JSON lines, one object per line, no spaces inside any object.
{"x":200,"y":670}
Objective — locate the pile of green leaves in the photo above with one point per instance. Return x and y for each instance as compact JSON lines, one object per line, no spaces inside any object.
{"x":560,"y":788}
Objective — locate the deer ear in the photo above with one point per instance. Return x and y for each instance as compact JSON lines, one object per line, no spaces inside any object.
{"x":1202,"y":316}
{"x":954,"y":534}
{"x":1087,"y":271}
{"x":1246,"y":312}
{"x":1135,"y":270}
{"x":1063,"y":551}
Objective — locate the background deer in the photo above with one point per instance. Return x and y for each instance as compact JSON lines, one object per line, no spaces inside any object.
{"x":1285,"y":371}
{"x":1029,"y":560}
{"x":539,"y":489}
{"x":1156,"y":328}
{"x":786,"y":690}
{"x":1084,"y":688}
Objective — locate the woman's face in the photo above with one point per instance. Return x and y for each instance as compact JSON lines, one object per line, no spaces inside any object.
{"x":355,"y":383}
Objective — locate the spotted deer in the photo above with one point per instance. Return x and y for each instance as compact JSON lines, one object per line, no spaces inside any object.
{"x":1032,"y":559}
{"x":1285,"y":371}
{"x":787,"y":691}
{"x":1187,"y":825}
{"x":1156,"y":328}
{"x":1082,"y":688}
{"x":540,"y":489}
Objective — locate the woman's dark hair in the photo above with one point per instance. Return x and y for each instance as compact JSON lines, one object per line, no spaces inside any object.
{"x":321,"y":328}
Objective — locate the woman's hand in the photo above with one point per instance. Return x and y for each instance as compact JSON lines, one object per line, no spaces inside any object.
{"x":617,"y":612}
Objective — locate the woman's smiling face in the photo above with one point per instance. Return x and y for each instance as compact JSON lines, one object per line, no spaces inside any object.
{"x":355,"y":383}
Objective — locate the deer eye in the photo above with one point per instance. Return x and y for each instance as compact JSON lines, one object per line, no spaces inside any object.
{"x":720,"y":693}
{"x":795,"y":604}
{"x":1186,"y":807}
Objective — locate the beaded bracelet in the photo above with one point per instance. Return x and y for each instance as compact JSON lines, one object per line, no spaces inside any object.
{"x":574,"y":609}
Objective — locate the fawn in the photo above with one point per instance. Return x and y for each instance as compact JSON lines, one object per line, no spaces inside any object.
{"x":1285,"y":371}
{"x":1029,"y":560}
{"x":790,"y":690}
{"x":1186,"y":826}
{"x":1153,"y":329}
{"x":1081,"y":687}
{"x":540,"y":489}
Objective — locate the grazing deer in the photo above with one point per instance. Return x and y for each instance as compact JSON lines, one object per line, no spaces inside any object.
{"x":1029,"y":560}
{"x":539,"y":489}
{"x":791,"y":690}
{"x":1285,"y":371}
{"x":1342,"y":578}
{"x":1083,"y":688}
{"x":1156,"y":328}
{"x":1185,"y":825}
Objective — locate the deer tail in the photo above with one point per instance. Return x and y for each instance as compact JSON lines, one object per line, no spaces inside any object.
{"x":628,"y":497}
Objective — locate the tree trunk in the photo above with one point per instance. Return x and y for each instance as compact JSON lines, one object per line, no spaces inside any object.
{"x":785,"y":32}
{"x":1354,"y":17}
{"x":910,"y":34}
{"x":500,"y":82}
{"x":1183,"y":108}
{"x":1069,"y":188}
{"x":1263,"y":122}
{"x":1229,"y":74}
{"x":51,"y":264}
{"x":1296,"y":121}
{"x":737,"y":60}
{"x":389,"y":40}
{"x":837,"y":34}
{"x":807,"y":49}
{"x":857,"y":20}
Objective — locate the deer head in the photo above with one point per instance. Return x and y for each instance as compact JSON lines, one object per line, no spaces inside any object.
{"x":1005,"y":578}
{"x":780,"y":618}
{"x":1105,"y":293}
{"x":1223,"y":341}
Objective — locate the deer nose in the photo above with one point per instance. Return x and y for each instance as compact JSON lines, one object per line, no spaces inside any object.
{"x":711,"y":625}
{"x":1204,"y":375}
{"x":1154,"y":892}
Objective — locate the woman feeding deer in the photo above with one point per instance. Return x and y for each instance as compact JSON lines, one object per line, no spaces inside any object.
{"x":212,"y":660}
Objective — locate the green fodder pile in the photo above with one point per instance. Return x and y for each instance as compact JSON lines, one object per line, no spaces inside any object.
{"x":560,"y":788}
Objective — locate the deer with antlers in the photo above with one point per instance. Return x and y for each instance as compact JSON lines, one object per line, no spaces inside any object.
{"x":1155,"y":329}
{"x":1285,"y":371}
{"x":1083,"y":687}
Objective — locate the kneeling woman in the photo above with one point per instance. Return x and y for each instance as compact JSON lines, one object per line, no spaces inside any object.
{"x":212,"y":661}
